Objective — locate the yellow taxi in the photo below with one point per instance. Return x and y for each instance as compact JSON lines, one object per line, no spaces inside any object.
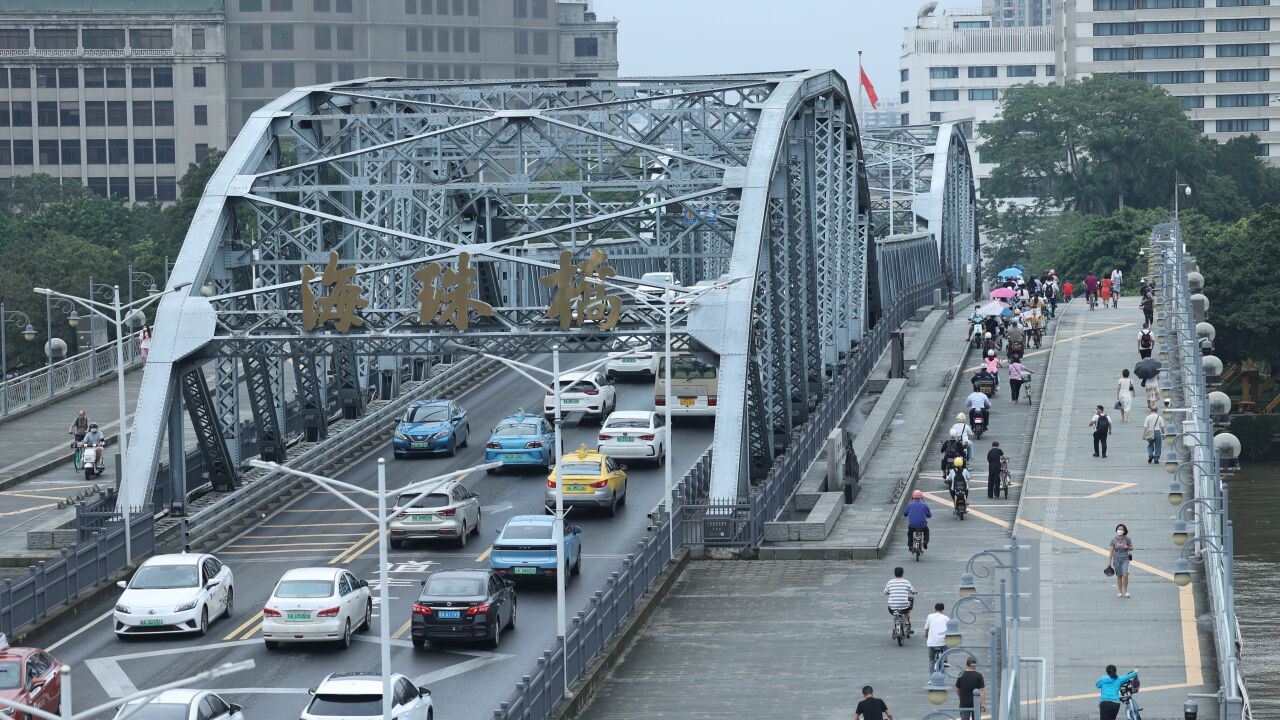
{"x":590,"y":479}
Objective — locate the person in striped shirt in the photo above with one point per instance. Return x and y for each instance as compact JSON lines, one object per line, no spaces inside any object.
{"x":901,"y":596}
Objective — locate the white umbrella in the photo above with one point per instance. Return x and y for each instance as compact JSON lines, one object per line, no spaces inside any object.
{"x":995,"y":307}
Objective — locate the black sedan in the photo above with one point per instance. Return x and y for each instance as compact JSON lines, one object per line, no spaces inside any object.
{"x":465,"y":605}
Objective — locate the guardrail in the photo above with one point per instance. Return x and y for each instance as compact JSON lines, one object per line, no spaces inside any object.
{"x":60,"y":378}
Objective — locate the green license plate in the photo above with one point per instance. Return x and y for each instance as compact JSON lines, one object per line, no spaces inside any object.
{"x":298,"y":616}
{"x":422,"y":518}
{"x":526,"y":571}
{"x":512,"y":456}
{"x":567,"y":401}
{"x":421,"y":445}
{"x":628,"y":360}
{"x":574,"y":487}
{"x":626,"y":439}
{"x":152,"y":623}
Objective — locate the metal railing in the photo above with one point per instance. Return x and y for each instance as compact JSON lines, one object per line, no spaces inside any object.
{"x":66,"y":375}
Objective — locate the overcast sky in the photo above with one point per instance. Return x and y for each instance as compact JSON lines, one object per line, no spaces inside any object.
{"x":669,"y":37}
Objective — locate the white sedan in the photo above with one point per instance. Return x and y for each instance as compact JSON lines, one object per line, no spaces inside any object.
{"x":316,"y":605}
{"x":634,"y":434}
{"x":358,"y":696}
{"x":178,"y":593}
{"x":589,"y":393}
{"x":632,"y":356}
{"x":182,"y":704}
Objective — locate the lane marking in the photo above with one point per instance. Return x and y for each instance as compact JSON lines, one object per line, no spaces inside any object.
{"x":316,"y":510}
{"x":1094,"y":695}
{"x":27,"y":510}
{"x":363,"y":538}
{"x":399,"y":633}
{"x":362,"y":549}
{"x":111,"y":677}
{"x":1057,"y":341}
{"x":484,"y":555}
{"x":81,"y":630}
{"x":299,"y":535}
{"x":268,"y":552}
{"x":328,"y":524}
{"x":256,"y":617}
{"x":478,"y":660}
{"x":313,"y":544}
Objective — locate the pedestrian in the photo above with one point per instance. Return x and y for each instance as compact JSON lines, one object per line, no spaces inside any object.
{"x":1109,"y":699}
{"x":1153,"y":433}
{"x":871,"y":707}
{"x":1148,"y":308}
{"x":144,"y":343}
{"x":993,"y":469}
{"x":968,"y":684}
{"x":1121,"y":552}
{"x":1105,"y":292}
{"x":1124,"y":395}
{"x":1146,"y":342}
{"x":1067,"y":289}
{"x":1117,"y":279}
{"x":1019,"y":374}
{"x":935,"y":635}
{"x":1101,"y":425}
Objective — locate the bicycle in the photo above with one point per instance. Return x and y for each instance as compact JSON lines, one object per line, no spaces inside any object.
{"x":1026,"y":388}
{"x":1129,"y":702}
{"x":1006,"y":477}
{"x":917,"y":545}
{"x":901,"y":626}
{"x":1092,"y":297}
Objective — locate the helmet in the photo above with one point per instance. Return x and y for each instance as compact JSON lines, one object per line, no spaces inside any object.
{"x":991,"y":353}
{"x":958,"y":462}
{"x":917,"y":495}
{"x":93,"y":426}
{"x":961,"y":417}
{"x":987,"y":336}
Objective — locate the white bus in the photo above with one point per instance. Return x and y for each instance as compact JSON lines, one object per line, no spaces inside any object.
{"x":694,"y":383}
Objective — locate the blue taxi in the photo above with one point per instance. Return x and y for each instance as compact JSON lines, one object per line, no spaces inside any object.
{"x":526,"y":548}
{"x":521,"y":440}
{"x":431,"y":426}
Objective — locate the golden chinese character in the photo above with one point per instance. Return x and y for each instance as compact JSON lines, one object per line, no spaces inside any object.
{"x":342,"y":302}
{"x":450,"y":303}
{"x":579,"y":295}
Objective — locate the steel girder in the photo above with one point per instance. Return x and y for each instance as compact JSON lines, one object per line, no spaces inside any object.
{"x":678,"y":174}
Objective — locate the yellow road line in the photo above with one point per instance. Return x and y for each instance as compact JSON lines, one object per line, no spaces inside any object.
{"x":27,"y":510}
{"x":32,"y":496}
{"x":1094,"y":695}
{"x":341,"y":509}
{"x":314,"y":544}
{"x":321,"y":525}
{"x":253,"y":629}
{"x":299,"y":535}
{"x":484,"y":555}
{"x":399,"y":633}
{"x":361,"y":550}
{"x":364,"y":538}
{"x":255,"y":618}
{"x":272,"y":552}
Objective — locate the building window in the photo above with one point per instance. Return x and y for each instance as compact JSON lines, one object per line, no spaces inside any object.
{"x":11,"y":39}
{"x":115,"y":77}
{"x":141,"y":76}
{"x":904,"y":97}
{"x":252,"y":75}
{"x":151,"y":39}
{"x":586,"y":47}
{"x":144,"y":188}
{"x":944,"y":73}
{"x":1242,"y":100}
{"x":103,"y":39}
{"x":198,"y":77}
{"x":251,"y":37}
{"x":98,"y":185}
{"x":1264,"y":150}
{"x":144,"y":152}
{"x":1251,"y":125}
{"x":142,"y":113}
{"x":202,"y":152}
{"x":23,"y":152}
{"x":201,"y":114}
{"x":96,"y":152}
{"x":69,"y":113}
{"x":1157,"y":52}
{"x":540,"y":44}
{"x":281,"y":5}
{"x":1244,"y":50}
{"x":70,"y":152}
{"x":282,"y":75}
{"x":970,"y":24}
{"x":346,"y":37}
{"x":984,"y":94}
{"x":1241,"y":25}
{"x":540,"y":9}
{"x":324,"y":37}
{"x":197,"y":38}
{"x":118,"y":152}
{"x":904,"y":119}
{"x":162,"y":76}
{"x":1102,"y":5}
{"x":320,"y":6}
{"x":48,"y":152}
{"x":1020,"y":71}
{"x":117,"y":113}
{"x":520,"y":8}
{"x":1243,"y":3}
{"x":6,"y":152}
{"x":46,"y":77}
{"x":944,"y":95}
{"x":281,"y":37}
{"x":95,"y":113}
{"x":1167,"y":77}
{"x":324,"y":73}
{"x":411,"y":39}
{"x":935,"y":117}
{"x":1050,"y":71}
{"x":903,"y":75}
{"x":94,"y":77}
{"x":343,"y":6}
{"x":346,"y":71}
{"x":56,"y":39}
{"x":522,"y":42}
{"x":164,"y":113}
{"x":459,"y":40}
{"x":20,"y":77}
{"x":1155,"y":27}
{"x":250,"y":5}
{"x":21,"y":110}
{"x":458,"y":7}
{"x":165,"y":151}
{"x":167,"y":188}
{"x":411,"y":7}
{"x":982,"y":71}
{"x":473,"y":8}
{"x":119,"y":187}
{"x":1192,"y":102}
{"x":442,"y":39}
{"x":47,"y":114}
{"x":473,"y":41}
{"x":68,"y":77}
{"x":1244,"y":75}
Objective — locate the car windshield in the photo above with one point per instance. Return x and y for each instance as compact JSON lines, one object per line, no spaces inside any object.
{"x":10,"y":675}
{"x":629,"y":423}
{"x":161,"y":711}
{"x":581,"y":468}
{"x":515,"y":430}
{"x":163,"y":577}
{"x":454,"y":586}
{"x":689,"y":368}
{"x":527,"y":532}
{"x":427,"y":413}
{"x":346,"y":705}
{"x":304,"y":589}
{"x":630,"y":343}
{"x":429,"y":501}
{"x":576,"y":386}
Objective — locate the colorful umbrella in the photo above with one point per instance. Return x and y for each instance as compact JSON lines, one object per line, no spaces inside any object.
{"x":1010,"y":272}
{"x":995,"y":307}
{"x":1002,"y":293}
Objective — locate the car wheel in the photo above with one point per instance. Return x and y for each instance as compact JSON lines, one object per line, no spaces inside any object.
{"x":453,"y":447}
{"x":419,"y":643}
{"x":577,"y":565}
{"x":345,"y":642}
{"x":476,"y":530}
{"x":613,"y":507}
{"x":368,"y":616}
{"x":396,"y":543}
{"x":490,"y":471}
{"x":204,"y":622}
{"x":231,"y":603}
{"x":462,"y":536}
{"x":511,"y":621}
{"x":271,"y":644}
{"x":399,"y":455}
{"x":623,"y":501}
{"x":495,"y":637}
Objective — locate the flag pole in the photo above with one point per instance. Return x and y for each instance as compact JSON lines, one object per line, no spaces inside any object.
{"x":861,"y":113}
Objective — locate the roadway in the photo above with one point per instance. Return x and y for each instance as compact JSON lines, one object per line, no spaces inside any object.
{"x":317,"y":529}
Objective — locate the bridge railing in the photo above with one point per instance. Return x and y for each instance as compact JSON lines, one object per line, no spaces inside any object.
{"x":60,"y":378}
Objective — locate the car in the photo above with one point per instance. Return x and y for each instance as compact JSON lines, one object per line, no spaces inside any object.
{"x":451,"y":512}
{"x":180,"y":593}
{"x":632,"y":357}
{"x":590,"y":479}
{"x":358,"y":696}
{"x":521,"y":440}
{"x":634,"y":434}
{"x":526,"y":548}
{"x":431,"y":426}
{"x":655,"y":284}
{"x":30,"y":676}
{"x":316,"y":605}
{"x":182,"y":704}
{"x":589,"y":393}
{"x":465,"y":605}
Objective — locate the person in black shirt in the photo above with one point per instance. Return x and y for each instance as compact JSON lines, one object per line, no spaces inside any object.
{"x":969,"y":681}
{"x":993,"y":470}
{"x":871,"y":707}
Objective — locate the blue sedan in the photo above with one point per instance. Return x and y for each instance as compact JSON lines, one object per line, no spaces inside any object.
{"x":526,"y":548}
{"x":521,"y":440}
{"x":431,"y":426}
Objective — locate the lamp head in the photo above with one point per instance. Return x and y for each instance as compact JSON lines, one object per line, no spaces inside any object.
{"x":28,"y":333}
{"x":73,"y":319}
{"x":1186,"y":190}
{"x":953,"y":635}
{"x":937,"y":688}
{"x":1171,"y":463}
{"x":153,"y":290}
{"x":1175,"y":493}
{"x":1182,"y":572}
{"x":967,"y":587}
{"x":1180,"y":533}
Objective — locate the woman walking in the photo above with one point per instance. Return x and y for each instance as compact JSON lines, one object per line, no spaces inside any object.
{"x":1109,"y":699}
{"x":1018,"y":374}
{"x":1121,"y":553}
{"x":1152,"y":386}
{"x":1124,"y":395}
{"x":1153,"y":433}
{"x":144,"y":343}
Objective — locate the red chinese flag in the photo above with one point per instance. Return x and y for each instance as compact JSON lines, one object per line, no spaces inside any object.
{"x":871,"y":89}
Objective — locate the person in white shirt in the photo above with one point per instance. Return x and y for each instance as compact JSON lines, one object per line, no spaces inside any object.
{"x":960,"y":430}
{"x":935,"y":634}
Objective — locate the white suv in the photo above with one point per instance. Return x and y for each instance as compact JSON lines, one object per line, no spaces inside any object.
{"x":589,"y":393}
{"x":358,"y":696}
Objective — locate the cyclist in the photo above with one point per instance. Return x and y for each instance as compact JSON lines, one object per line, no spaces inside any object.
{"x":79,"y":426}
{"x":1091,"y":289}
{"x":1109,"y":698}
{"x":917,"y":514}
{"x":901,"y":596}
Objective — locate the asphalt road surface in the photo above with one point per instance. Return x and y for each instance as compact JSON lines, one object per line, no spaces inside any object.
{"x":319,"y":530}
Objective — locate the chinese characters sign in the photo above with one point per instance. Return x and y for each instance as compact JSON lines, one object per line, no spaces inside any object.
{"x":578,"y":292}
{"x":450,"y":302}
{"x":339,"y":301}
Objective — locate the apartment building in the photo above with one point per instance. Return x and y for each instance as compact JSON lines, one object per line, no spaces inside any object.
{"x":1019,"y":13}
{"x":119,"y":95}
{"x":1218,"y":56}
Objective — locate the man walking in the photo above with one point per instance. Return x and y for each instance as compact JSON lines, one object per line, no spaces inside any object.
{"x":969,"y":683}
{"x":1148,"y":308}
{"x":935,"y":635}
{"x":993,"y":470}
{"x":1101,"y":425}
{"x":1153,"y":433}
{"x":871,"y":707}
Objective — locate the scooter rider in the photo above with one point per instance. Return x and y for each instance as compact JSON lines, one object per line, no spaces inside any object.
{"x":975,"y":323}
{"x":961,"y":430}
{"x":952,"y":448}
{"x":94,"y":437}
{"x":958,"y":479}
{"x":979,"y":403}
{"x":917,"y":514}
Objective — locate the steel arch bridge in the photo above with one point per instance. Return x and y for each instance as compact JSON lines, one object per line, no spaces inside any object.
{"x":755,"y":180}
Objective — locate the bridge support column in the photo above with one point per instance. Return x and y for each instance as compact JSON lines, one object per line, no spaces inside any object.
{"x":213,"y":446}
{"x":177,"y":452}
{"x":311,"y":397}
{"x":262,"y":399}
{"x":348,"y":380}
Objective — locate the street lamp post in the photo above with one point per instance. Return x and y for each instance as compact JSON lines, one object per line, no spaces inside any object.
{"x":73,"y":319}
{"x":143,"y":277}
{"x":19,"y":319}
{"x":382,"y":518}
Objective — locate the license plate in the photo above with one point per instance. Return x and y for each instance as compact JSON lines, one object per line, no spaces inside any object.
{"x":420,"y":445}
{"x":567,"y":401}
{"x":628,"y":360}
{"x":687,"y":402}
{"x":297,"y":616}
{"x":422,"y":518}
{"x":512,"y":456}
{"x":526,"y":571}
{"x":449,"y":614}
{"x":574,"y":487}
{"x":152,"y":623}
{"x":626,"y":439}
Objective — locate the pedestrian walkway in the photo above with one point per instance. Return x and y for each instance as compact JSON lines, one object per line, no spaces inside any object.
{"x":799,"y":638}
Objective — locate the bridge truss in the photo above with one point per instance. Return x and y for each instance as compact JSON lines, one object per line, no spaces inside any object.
{"x":757,"y":179}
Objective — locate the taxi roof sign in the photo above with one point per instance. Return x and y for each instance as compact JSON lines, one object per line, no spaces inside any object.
{"x":4,"y":642}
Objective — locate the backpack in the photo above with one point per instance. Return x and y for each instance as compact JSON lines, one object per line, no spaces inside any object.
{"x":1104,"y":424}
{"x":1145,"y":342}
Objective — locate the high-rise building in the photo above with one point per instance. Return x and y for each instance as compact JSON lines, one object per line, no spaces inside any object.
{"x":957,"y":67}
{"x":119,"y":95}
{"x":1019,"y":13}
{"x":1218,"y":56}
